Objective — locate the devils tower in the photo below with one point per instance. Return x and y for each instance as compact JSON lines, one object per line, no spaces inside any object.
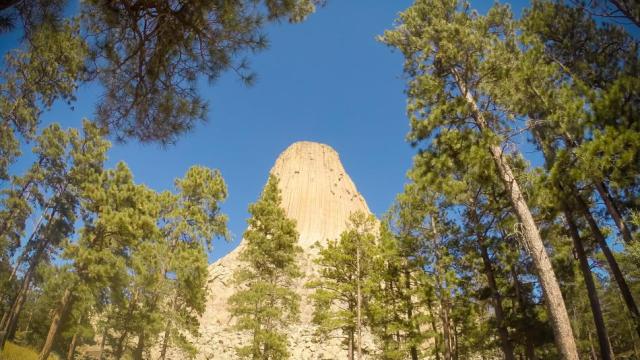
{"x":319,"y":195}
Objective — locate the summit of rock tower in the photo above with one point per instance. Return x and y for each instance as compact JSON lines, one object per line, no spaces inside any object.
{"x":316,"y":191}
{"x":319,"y":195}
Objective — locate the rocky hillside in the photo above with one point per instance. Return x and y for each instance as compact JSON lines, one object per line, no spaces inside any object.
{"x":319,"y":195}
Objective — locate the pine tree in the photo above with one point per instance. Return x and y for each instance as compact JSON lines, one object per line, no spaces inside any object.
{"x":48,"y":68}
{"x":189,"y":222}
{"x":448,"y":52}
{"x":64,"y":165}
{"x":117,"y":215}
{"x":147,"y":57}
{"x":266,"y":304}
{"x":343,"y":290}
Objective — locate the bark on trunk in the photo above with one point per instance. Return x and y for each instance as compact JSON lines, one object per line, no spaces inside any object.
{"x":351,"y":337}
{"x":119,"y":351}
{"x":11,"y":320}
{"x":613,"y":210}
{"x":72,"y":346}
{"x":434,"y":329}
{"x":601,"y":330}
{"x":529,"y":347}
{"x":558,"y":315}
{"x":137,"y":354}
{"x":413,"y":350}
{"x":7,"y":327}
{"x":55,"y":324}
{"x":611,"y":261}
{"x":165,"y":341}
{"x":441,"y":289}
{"x":503,"y":333}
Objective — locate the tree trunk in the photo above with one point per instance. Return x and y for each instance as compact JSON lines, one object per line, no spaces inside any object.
{"x":611,"y":260}
{"x":413,"y":350}
{"x":102,"y":342}
{"x":165,"y":341}
{"x":455,"y":342}
{"x":609,"y":201}
{"x":358,"y":303}
{"x":11,"y":320}
{"x":119,"y":350}
{"x":529,"y":347}
{"x":601,"y":330}
{"x":533,"y":243}
{"x":7,"y":327}
{"x":613,"y":210}
{"x":503,"y":332}
{"x":137,"y":354}
{"x":351,"y":337}
{"x":442,"y":292}
{"x":434,"y":329}
{"x":55,"y":324}
{"x":72,"y":346}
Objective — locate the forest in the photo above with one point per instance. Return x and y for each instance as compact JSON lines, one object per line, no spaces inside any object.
{"x":489,"y":252}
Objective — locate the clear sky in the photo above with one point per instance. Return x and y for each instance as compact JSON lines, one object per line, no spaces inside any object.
{"x":325,"y":80}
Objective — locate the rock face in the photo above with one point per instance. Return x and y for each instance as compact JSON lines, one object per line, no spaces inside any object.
{"x":319,"y":195}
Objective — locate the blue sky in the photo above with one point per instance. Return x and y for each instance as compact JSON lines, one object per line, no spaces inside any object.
{"x":325,"y":80}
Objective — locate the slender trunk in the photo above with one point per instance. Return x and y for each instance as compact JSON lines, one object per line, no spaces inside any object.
{"x":7,"y":327}
{"x":611,"y":261}
{"x":613,"y":210}
{"x":10,"y":321}
{"x":601,"y":331}
{"x":55,"y":324}
{"x":609,"y":201}
{"x":529,"y":347}
{"x":72,"y":346}
{"x":167,"y":331}
{"x":503,"y":332}
{"x":351,"y":337}
{"x":434,"y":329}
{"x":442,"y":291}
{"x":119,"y":351}
{"x":455,"y":342}
{"x":446,"y":329}
{"x":26,"y":250}
{"x":358,"y":303}
{"x":137,"y":354}
{"x":102,"y":342}
{"x":165,"y":341}
{"x":26,"y":329}
{"x":413,"y":350}
{"x":558,"y":315}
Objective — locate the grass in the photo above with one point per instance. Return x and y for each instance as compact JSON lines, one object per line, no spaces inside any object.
{"x":17,"y":352}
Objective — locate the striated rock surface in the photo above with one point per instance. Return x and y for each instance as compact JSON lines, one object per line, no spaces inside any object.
{"x":319,"y":195}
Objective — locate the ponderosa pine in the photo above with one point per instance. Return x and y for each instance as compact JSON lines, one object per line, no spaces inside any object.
{"x":267,"y":304}
{"x":445,"y":46}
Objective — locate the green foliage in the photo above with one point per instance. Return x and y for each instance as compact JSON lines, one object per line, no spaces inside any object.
{"x":477,"y":81}
{"x":49,"y":68}
{"x":147,"y":57}
{"x":346,"y":273}
{"x":266,"y":303}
